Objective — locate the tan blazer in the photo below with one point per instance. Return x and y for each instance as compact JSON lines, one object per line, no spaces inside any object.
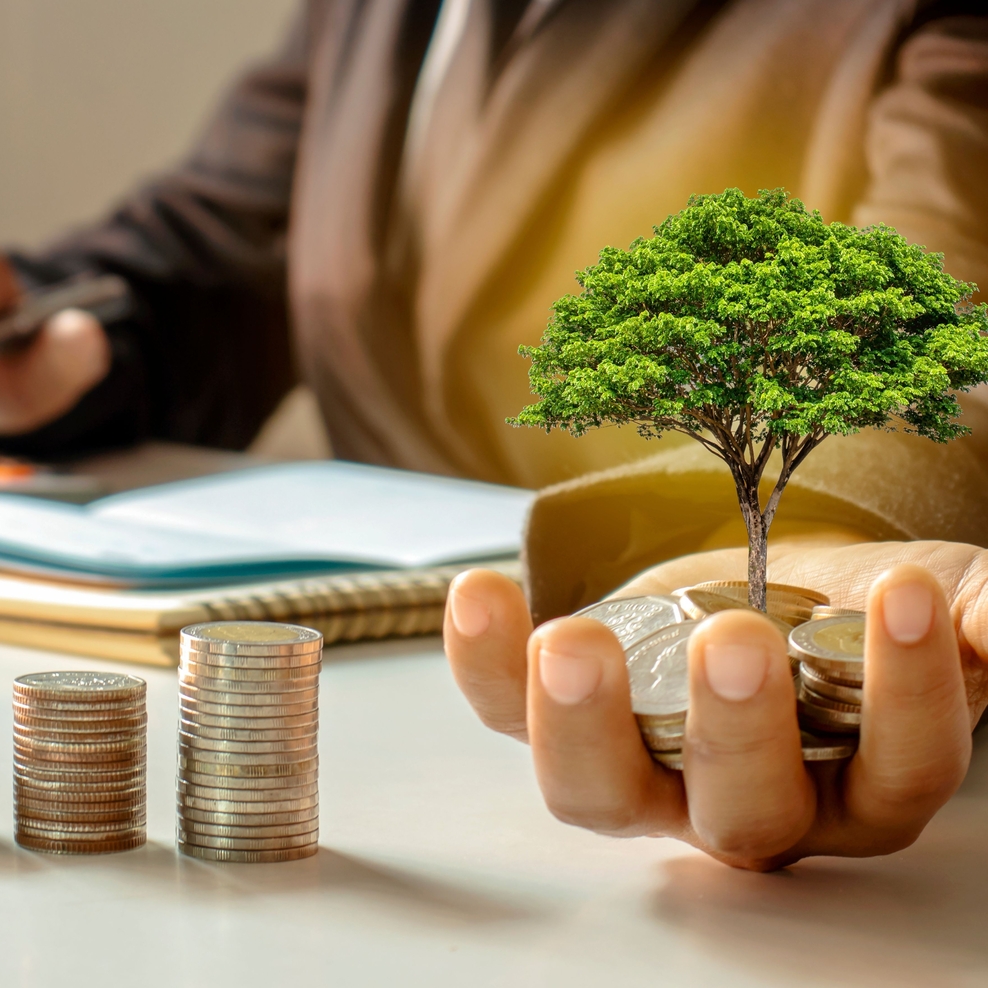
{"x":423,"y":231}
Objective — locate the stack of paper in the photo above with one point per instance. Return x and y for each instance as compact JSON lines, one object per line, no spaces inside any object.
{"x":357,"y":550}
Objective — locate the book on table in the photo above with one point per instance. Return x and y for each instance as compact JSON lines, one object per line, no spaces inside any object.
{"x":355,"y":550}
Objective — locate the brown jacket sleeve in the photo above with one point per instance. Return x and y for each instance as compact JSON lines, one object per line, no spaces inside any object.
{"x":205,"y":357}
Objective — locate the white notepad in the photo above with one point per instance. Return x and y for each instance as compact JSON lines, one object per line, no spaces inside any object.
{"x":262,"y":522}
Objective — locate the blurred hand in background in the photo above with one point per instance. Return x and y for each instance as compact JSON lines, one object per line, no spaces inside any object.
{"x":46,"y":378}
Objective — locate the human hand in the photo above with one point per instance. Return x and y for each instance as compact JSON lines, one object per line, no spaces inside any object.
{"x":67,"y":357}
{"x":745,"y":795}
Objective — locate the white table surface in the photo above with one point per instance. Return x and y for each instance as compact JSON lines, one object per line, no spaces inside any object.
{"x":439,"y":867}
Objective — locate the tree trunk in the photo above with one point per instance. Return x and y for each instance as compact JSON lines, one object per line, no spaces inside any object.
{"x":757,"y":562}
{"x":757,"y":527}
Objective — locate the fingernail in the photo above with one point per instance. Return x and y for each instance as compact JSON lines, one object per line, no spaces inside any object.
{"x":569,"y":678}
{"x":735,"y":670}
{"x":908,"y":612}
{"x":471,"y":617}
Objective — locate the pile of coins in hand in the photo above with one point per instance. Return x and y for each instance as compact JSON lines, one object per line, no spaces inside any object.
{"x":80,"y":762}
{"x":825,"y":649}
{"x":248,"y":763}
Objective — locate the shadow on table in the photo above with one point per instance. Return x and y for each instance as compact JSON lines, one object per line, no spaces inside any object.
{"x":916,"y":918}
{"x":159,"y":871}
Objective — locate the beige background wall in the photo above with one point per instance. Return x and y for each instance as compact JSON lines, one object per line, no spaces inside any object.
{"x":95,"y":94}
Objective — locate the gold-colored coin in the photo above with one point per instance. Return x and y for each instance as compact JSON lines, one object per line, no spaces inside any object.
{"x":69,"y":773}
{"x":825,"y":611}
{"x":250,"y":638}
{"x":831,"y":645}
{"x":248,"y":857}
{"x":777,"y":591}
{"x":105,"y":821}
{"x":698,"y":604}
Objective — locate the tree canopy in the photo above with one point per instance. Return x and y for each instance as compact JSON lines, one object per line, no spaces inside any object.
{"x":752,"y":325}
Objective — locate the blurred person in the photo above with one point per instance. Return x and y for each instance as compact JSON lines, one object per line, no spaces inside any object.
{"x":389,"y":208}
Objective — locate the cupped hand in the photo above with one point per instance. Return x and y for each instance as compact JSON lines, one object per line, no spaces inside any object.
{"x":745,"y":795}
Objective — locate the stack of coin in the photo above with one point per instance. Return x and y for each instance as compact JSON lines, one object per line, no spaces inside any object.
{"x":830,"y":651}
{"x":248,"y":763}
{"x":80,"y":762}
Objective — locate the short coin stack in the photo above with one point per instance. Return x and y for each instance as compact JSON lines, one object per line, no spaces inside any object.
{"x":248,"y":763}
{"x":80,"y":762}
{"x":830,"y":651}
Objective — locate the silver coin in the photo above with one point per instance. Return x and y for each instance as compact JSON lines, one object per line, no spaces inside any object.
{"x":248,"y":843}
{"x":213,"y":660}
{"x":191,"y":668}
{"x":100,"y":686}
{"x":824,"y":749}
{"x":255,"y":712}
{"x":249,"y":857}
{"x":223,"y":794}
{"x":224,"y":756}
{"x":288,"y":746}
{"x":634,"y":618}
{"x":241,"y":734}
{"x":247,"y":686}
{"x":292,"y":818}
{"x":297,"y":722}
{"x":669,"y":759}
{"x":194,"y":766}
{"x":824,"y":686}
{"x":229,"y":698}
{"x":250,"y":638}
{"x":218,"y":809}
{"x":260,"y":832}
{"x":247,"y":783}
{"x":658,"y":672}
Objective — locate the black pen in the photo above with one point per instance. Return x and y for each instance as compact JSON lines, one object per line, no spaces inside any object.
{"x":103,"y":296}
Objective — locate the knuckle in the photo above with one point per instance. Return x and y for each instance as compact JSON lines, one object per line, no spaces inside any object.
{"x":615,"y":820}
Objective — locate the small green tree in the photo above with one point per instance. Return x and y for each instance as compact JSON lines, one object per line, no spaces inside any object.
{"x":753,"y":326}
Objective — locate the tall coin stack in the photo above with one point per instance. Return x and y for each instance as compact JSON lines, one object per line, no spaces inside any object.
{"x":830,"y":652}
{"x":248,"y":763}
{"x":80,"y":762}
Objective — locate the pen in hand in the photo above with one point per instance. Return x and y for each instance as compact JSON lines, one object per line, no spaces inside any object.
{"x":105,"y":297}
